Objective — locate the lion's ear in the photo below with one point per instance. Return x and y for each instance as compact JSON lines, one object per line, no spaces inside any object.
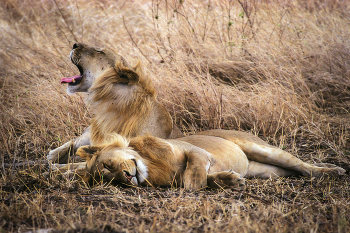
{"x":128,"y":76}
{"x":86,"y":152}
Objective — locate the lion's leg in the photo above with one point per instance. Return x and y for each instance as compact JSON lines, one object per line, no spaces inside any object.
{"x":225,"y":179}
{"x":69,"y":170}
{"x":61,"y":154}
{"x":275,"y":156}
{"x":259,"y":151}
{"x":265,"y":171}
{"x":83,"y":140}
{"x":195,"y":175}
{"x":67,"y":167}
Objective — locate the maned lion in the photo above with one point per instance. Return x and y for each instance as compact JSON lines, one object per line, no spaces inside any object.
{"x":216,"y":158}
{"x":123,"y":101}
{"x":120,"y":97}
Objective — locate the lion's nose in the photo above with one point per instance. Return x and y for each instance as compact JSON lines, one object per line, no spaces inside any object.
{"x":76,"y":45}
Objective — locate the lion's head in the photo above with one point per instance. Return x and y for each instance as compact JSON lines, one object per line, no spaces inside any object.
{"x":91,"y":62}
{"x":113,"y":162}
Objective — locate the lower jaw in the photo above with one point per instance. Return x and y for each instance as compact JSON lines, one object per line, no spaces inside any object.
{"x":134,"y":181}
{"x":75,"y":84}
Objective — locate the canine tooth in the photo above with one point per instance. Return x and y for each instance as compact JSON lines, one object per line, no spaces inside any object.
{"x":73,"y":80}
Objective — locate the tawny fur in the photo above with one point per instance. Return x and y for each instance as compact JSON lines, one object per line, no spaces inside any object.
{"x":216,"y":158}
{"x":120,"y":100}
{"x":123,"y":101}
{"x":159,"y":156}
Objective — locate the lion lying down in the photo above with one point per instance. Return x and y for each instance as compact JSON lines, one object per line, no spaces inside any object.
{"x":215,"y":158}
{"x":123,"y":100}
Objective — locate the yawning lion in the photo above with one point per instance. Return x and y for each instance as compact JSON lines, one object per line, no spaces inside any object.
{"x":121,"y":98}
{"x":123,"y":101}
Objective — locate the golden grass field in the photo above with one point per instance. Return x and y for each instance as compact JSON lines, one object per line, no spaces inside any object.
{"x":277,"y":69}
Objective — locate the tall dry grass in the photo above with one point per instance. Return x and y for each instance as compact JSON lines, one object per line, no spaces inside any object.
{"x":277,"y":69}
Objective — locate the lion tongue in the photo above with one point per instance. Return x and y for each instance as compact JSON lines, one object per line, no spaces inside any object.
{"x":72,"y":79}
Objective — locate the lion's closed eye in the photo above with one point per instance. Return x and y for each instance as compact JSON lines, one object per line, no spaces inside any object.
{"x":99,"y":50}
{"x":107,"y":166}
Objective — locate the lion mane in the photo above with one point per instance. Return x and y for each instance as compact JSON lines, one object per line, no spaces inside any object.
{"x":121,"y":98}
{"x":124,"y":97}
{"x":123,"y":101}
{"x":194,"y":161}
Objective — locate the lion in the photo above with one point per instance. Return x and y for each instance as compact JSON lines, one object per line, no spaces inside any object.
{"x":121,"y":98}
{"x":215,"y":158}
{"x":123,"y":101}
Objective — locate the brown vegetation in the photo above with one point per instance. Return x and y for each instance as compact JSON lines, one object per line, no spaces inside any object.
{"x":278,"y":70}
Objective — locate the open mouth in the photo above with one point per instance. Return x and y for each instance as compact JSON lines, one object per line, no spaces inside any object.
{"x":128,"y":175}
{"x":131,"y":177}
{"x":76,"y":79}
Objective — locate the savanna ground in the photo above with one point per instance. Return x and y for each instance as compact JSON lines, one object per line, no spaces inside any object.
{"x":277,"y":69}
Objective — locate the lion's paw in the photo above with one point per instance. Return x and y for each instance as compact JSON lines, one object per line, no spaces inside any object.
{"x":194,"y":181}
{"x":329,"y":169}
{"x":61,"y":154}
{"x":194,"y":185}
{"x":226,"y":179}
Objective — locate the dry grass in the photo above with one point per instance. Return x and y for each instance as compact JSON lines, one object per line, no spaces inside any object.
{"x":279,"y":70}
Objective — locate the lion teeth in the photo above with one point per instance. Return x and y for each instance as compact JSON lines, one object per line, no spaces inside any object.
{"x":73,"y":80}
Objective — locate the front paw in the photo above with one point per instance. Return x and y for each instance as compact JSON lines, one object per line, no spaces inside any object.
{"x":195,"y":184}
{"x":68,"y":171}
{"x":226,"y":179}
{"x":195,"y":179}
{"x":61,"y":154}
